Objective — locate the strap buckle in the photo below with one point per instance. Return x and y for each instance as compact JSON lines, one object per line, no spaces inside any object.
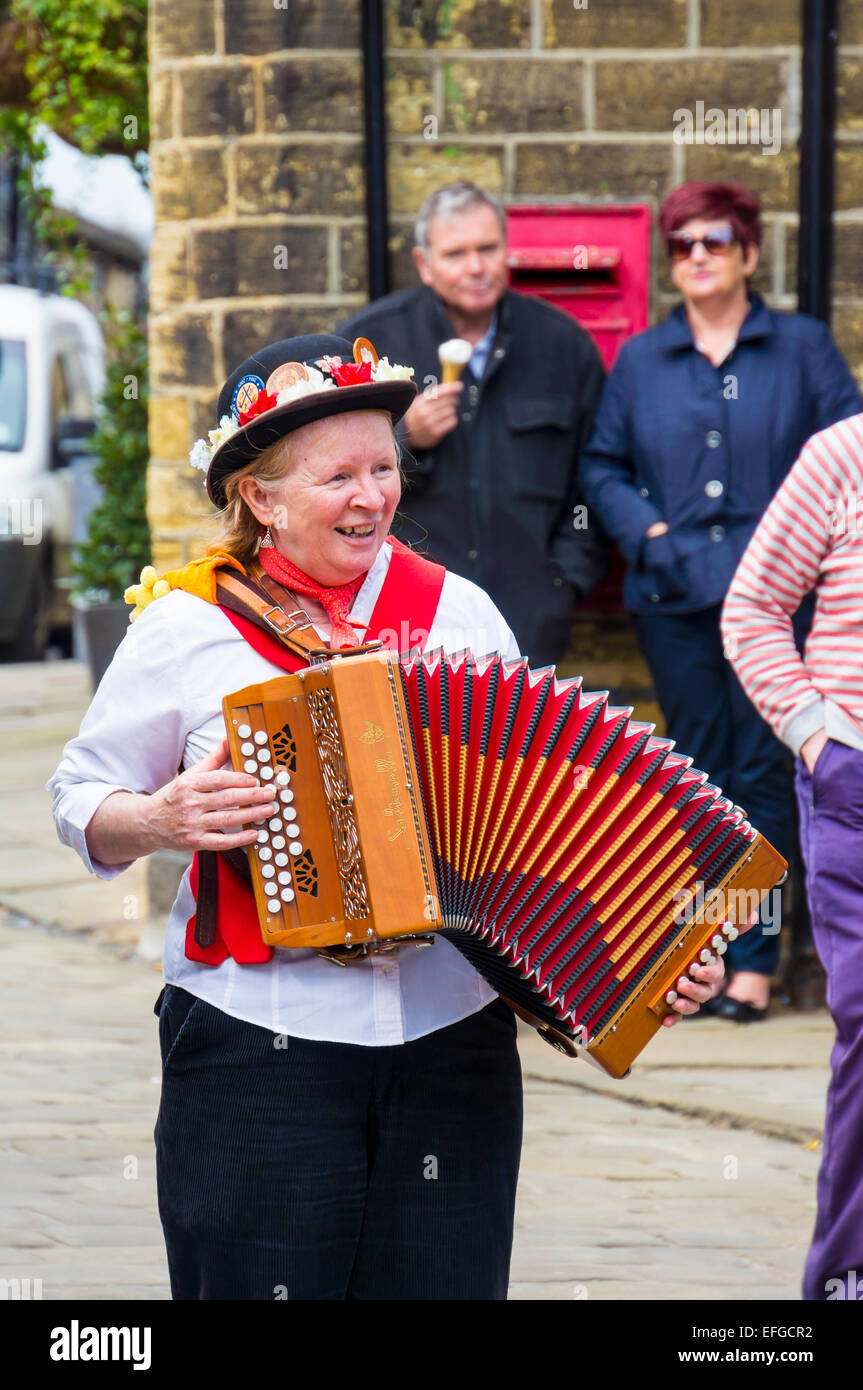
{"x":299,"y":618}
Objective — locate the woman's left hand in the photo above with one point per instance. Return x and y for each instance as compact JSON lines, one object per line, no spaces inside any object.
{"x":695,"y":990}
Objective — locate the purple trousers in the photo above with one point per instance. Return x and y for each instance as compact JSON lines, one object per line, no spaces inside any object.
{"x":831,"y":838}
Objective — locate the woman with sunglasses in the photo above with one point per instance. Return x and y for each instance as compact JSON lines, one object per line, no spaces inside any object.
{"x":700,"y":420}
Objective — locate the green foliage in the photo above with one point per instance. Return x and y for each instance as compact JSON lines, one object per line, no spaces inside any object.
{"x":87,"y":71}
{"x":118,"y":544}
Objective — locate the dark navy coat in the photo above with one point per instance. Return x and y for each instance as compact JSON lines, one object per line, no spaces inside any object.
{"x":704,"y":448}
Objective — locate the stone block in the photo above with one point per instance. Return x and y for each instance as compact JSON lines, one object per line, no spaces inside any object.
{"x":511,"y":95}
{"x":772,"y":177}
{"x":403,"y":272}
{"x":415,"y":171}
{"x":256,"y":259}
{"x":847,"y":259}
{"x":204,"y":413}
{"x":180,"y":31}
{"x":614,"y":24}
{"x":321,"y":94}
{"x":588,"y":171}
{"x":750,"y":23}
{"x":248,"y":329}
{"x":300,"y":178}
{"x":644,"y":95}
{"x":181,"y":350}
{"x":849,"y":177}
{"x":161,"y":106}
{"x":169,"y":271}
{"x":851,"y":21}
{"x":848,"y":332}
{"x":410,"y":98}
{"x":176,"y":497}
{"x":849,"y":94}
{"x":188,"y":181}
{"x":352,"y":255}
{"x":170,"y":427}
{"x":459,"y":24}
{"x":217,"y":100}
{"x":264,"y":26}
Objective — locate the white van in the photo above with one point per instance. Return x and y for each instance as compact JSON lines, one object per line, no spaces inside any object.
{"x":52,"y":374}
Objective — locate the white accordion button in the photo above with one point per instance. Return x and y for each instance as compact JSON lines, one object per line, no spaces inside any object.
{"x":705,"y":956}
{"x":261,"y":737}
{"x":284,"y":879}
{"x":283,"y":777}
{"x":263,"y":837}
{"x":244,"y":730}
{"x":281,"y":859}
{"x":246,"y":749}
{"x":270,"y":889}
{"x":275,"y":823}
{"x":266,"y":773}
{"x":730,"y":933}
{"x":268,"y":871}
{"x":295,"y":847}
{"x":250,"y":766}
{"x":287,"y":895}
{"x":716,"y":941}
{"x":292,"y":831}
{"x":285,"y":795}
{"x":670,"y":996}
{"x":720,"y":950}
{"x":263,"y":755}
{"x":278,"y":842}
{"x":264,"y":853}
{"x":290,"y":814}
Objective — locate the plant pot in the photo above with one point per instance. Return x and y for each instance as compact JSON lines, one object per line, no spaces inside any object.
{"x":99,"y":630}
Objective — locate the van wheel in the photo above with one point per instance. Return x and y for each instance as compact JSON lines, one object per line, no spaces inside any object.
{"x":31,"y":639}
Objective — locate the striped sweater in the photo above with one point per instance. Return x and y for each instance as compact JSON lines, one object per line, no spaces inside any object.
{"x":810,"y":537}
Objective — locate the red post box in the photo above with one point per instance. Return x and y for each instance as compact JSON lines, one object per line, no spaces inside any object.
{"x":591,"y":262}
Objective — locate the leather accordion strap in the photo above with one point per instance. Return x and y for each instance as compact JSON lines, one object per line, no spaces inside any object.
{"x":207,"y":902}
{"x":260,"y":601}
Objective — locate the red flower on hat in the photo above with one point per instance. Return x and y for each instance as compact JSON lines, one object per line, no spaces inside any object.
{"x":260,"y":405}
{"x":352,"y":373}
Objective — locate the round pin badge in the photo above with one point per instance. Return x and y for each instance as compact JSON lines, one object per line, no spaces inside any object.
{"x":364,"y":351}
{"x":287,"y":375}
{"x":246,"y":392}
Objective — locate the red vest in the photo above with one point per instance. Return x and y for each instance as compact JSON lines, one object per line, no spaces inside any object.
{"x":412,"y":585}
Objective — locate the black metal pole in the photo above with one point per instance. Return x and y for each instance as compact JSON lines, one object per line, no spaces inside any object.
{"x":377,"y":216}
{"x":817,"y":140}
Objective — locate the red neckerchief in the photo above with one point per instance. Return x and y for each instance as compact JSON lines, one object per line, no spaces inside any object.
{"x":337,"y":600}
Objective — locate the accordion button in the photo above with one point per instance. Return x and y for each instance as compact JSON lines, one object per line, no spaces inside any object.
{"x":264,"y":853}
{"x":289,"y":813}
{"x":670,"y":996}
{"x":283,"y":777}
{"x":284,"y":879}
{"x":716,"y":941}
{"x":295,"y":847}
{"x":729,"y":932}
{"x":266,"y":773}
{"x":721,"y":949}
{"x":275,"y":823}
{"x":281,"y":859}
{"x":263,"y":755}
{"x":292,"y":831}
{"x":250,"y":765}
{"x":263,"y":837}
{"x":705,"y":955}
{"x":286,"y":795}
{"x":261,"y":737}
{"x":278,"y":842}
{"x":246,"y":749}
{"x":244,"y":731}
{"x":270,"y":889}
{"x":268,"y":871}
{"x":287,"y":895}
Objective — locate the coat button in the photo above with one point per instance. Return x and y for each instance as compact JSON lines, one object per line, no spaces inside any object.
{"x":717,"y":533}
{"x":473,"y":554}
{"x":474,"y":392}
{"x":466,"y":415}
{"x":654,"y":598}
{"x":557,"y":581}
{"x":713,"y":439}
{"x":498,"y":352}
{"x":643,"y":492}
{"x":714,"y":488}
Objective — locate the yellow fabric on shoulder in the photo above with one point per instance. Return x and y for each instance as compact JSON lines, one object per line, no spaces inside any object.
{"x":198,"y":578}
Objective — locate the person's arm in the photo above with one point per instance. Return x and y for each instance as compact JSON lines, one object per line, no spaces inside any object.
{"x":579,"y":545}
{"x":606,"y":472}
{"x":779,"y":567}
{"x":835,"y":393}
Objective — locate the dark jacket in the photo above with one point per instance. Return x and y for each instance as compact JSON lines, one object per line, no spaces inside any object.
{"x":494,"y":499}
{"x":704,"y":448}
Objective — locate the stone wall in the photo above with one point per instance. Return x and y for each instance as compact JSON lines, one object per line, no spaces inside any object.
{"x":258,"y":160}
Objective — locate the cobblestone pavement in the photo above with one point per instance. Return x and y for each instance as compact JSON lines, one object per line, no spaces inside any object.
{"x":618,"y":1198}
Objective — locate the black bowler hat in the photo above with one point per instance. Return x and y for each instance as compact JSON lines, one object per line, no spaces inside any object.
{"x":294,"y":368}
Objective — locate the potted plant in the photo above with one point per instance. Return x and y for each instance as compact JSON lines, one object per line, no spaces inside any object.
{"x":118,"y":535}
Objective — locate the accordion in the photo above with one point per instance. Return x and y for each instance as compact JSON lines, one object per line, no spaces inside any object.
{"x":579,"y":862}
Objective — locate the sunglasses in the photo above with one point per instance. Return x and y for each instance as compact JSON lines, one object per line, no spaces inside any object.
{"x":717,"y":243}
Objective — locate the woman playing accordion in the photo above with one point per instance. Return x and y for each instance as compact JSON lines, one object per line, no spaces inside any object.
{"x":323,"y":1133}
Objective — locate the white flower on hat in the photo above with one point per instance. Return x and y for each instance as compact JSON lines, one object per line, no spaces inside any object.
{"x":316,"y":382}
{"x":384,"y":370}
{"x":203,"y":449}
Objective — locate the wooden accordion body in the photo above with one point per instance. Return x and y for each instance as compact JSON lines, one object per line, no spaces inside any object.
{"x":578,"y":862}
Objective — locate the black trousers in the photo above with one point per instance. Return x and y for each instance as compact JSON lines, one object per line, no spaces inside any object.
{"x":711,"y":719}
{"x":291,"y":1169}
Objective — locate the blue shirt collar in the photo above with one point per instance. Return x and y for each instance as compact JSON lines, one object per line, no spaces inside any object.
{"x":675,"y":332}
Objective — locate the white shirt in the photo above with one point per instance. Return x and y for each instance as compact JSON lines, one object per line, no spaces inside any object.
{"x":159,"y":705}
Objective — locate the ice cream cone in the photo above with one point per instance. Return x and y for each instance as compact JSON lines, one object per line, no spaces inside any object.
{"x":454,"y":356}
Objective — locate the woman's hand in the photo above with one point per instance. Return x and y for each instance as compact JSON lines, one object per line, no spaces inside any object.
{"x":812,"y":748}
{"x":692,"y":991}
{"x":194,"y":810}
{"x":656,"y":528}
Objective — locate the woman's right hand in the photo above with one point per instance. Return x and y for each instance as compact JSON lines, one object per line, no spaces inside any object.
{"x":657,"y":528}
{"x":193,"y":810}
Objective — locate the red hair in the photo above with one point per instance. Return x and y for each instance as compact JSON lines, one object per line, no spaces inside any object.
{"x":730,"y":202}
